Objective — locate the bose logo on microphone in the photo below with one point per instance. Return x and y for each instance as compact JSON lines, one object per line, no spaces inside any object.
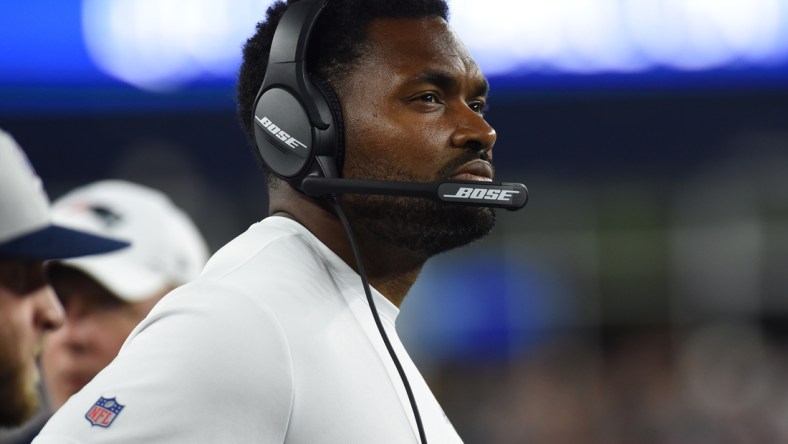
{"x":483,"y":194}
{"x":272,"y":128}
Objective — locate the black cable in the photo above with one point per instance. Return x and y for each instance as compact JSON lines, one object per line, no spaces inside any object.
{"x":368,"y":291}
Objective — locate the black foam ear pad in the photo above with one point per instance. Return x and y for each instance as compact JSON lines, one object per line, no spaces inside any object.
{"x":332,"y":101}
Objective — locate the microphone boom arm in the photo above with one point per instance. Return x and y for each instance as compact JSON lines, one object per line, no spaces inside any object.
{"x":511,"y":196}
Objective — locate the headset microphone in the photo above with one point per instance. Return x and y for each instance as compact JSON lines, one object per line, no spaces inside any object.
{"x":511,"y":196}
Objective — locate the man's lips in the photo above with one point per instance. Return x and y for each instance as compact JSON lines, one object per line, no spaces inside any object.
{"x":478,"y":170}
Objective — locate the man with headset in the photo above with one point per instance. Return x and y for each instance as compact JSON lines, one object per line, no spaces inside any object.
{"x":287,"y":336}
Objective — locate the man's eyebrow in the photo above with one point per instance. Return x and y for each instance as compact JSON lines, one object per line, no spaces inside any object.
{"x":446,"y":81}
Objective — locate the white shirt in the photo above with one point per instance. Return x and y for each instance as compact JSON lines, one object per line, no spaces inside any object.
{"x":273,"y":343}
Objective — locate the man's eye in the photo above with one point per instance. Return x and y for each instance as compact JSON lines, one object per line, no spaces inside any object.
{"x":432,"y":98}
{"x":478,"y":107}
{"x":22,"y":277}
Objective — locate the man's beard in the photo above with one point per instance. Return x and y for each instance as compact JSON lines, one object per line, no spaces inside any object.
{"x":422,"y":226}
{"x":18,"y":394}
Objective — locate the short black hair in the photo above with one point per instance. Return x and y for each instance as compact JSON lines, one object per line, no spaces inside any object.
{"x":335,"y":43}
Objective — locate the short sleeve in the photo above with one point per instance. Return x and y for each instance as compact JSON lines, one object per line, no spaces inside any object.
{"x":207,"y":365}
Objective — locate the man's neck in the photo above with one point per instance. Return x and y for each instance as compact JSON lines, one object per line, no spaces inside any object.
{"x":391,"y":270}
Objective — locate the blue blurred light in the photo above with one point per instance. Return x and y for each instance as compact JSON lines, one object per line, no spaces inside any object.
{"x":483,"y":305}
{"x":613,"y":36}
{"x":163,"y":44}
{"x":41,"y":43}
{"x":91,"y":46}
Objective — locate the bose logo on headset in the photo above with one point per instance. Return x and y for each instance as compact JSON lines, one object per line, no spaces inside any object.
{"x":280,"y":134}
{"x":482,"y":194}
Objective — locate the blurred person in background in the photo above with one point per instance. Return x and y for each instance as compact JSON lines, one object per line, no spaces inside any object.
{"x":28,"y":307}
{"x":106,"y":296}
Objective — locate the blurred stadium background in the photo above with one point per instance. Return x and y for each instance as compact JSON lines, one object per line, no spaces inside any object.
{"x":641,"y":294}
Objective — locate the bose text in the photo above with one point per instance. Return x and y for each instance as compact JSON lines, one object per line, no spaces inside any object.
{"x":483,"y":193}
{"x":280,"y":134}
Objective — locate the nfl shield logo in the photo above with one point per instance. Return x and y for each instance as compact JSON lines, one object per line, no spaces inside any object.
{"x":103,"y":412}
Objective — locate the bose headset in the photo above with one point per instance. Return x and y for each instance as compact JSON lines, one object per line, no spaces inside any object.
{"x":298,"y":132}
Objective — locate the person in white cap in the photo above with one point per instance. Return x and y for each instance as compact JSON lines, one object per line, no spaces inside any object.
{"x":106,"y":296}
{"x":28,"y":308}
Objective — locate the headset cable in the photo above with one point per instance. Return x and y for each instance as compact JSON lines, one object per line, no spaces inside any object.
{"x":368,"y":291}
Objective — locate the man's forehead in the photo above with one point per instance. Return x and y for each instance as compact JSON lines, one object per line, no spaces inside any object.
{"x":73,"y":283}
{"x":450,"y":80}
{"x":428,"y":34}
{"x":419,"y":46}
{"x":13,"y":268}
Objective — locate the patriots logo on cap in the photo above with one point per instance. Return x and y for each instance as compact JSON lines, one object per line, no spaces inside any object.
{"x":107,"y":216}
{"x":103,"y":412}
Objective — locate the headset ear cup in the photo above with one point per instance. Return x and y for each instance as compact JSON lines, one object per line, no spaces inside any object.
{"x":334,"y":106}
{"x":284,"y":134}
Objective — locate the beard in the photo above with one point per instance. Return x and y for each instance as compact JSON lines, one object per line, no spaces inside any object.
{"x":421,"y":226}
{"x":18,"y":393}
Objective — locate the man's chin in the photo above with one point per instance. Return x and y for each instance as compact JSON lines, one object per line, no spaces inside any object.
{"x":424,"y":227}
{"x":19,"y":395}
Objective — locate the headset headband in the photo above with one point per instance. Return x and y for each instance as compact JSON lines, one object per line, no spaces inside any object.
{"x":287,"y":59}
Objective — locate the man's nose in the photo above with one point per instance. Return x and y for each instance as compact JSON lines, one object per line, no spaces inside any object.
{"x":49,"y":314}
{"x":473,"y":132}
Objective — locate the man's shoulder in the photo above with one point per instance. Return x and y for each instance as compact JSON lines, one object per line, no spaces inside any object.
{"x":270,"y":245}
{"x":275,"y":262}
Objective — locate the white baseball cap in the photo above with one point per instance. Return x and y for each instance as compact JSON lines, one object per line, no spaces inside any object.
{"x":26,"y":228}
{"x":166,"y":249}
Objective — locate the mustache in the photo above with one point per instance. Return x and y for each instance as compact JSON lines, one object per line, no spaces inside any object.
{"x":447,"y":170}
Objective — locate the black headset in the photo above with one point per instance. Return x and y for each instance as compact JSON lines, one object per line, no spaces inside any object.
{"x":297,"y":119}
{"x":299,"y":133}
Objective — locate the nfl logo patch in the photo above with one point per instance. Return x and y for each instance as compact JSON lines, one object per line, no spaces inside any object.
{"x":103,"y":412}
